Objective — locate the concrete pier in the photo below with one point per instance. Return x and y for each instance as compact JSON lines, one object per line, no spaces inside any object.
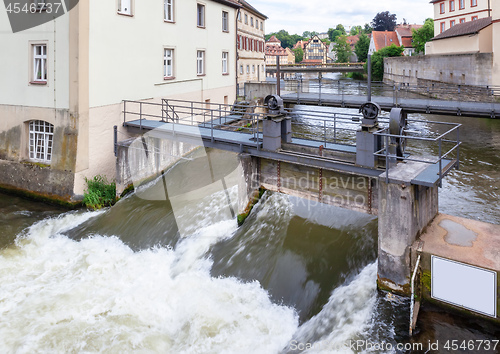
{"x":469,"y":242}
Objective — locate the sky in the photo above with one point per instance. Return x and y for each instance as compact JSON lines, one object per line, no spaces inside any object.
{"x":297,"y":16}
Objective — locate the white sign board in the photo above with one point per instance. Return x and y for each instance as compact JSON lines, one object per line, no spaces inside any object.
{"x":463,"y":285}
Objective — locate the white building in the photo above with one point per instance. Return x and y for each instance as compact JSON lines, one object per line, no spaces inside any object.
{"x":448,"y":13}
{"x":63,"y":82}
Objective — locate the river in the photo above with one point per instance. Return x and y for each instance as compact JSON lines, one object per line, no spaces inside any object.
{"x":167,"y":277}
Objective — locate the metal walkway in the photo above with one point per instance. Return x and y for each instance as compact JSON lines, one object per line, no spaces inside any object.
{"x":410,"y":105}
{"x":320,"y":139}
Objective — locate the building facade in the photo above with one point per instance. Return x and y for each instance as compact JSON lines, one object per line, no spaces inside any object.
{"x":251,"y":44}
{"x":448,"y":13}
{"x":64,"y":82}
{"x":315,"y":51}
{"x":274,"y":50}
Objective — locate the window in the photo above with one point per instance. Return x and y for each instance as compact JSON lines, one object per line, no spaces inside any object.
{"x":41,"y":135}
{"x":474,"y":18}
{"x":452,"y":5}
{"x":261,"y":26}
{"x":225,"y":55}
{"x":452,"y":23}
{"x":442,"y":27}
{"x":200,"y":18}
{"x":441,"y":8}
{"x":246,"y":19}
{"x":461,"y":4}
{"x":462,"y":20}
{"x":169,"y":10}
{"x":125,"y":7}
{"x":251,"y":21}
{"x":40,"y":63}
{"x":225,"y":21}
{"x":241,"y":69}
{"x":473,"y":3}
{"x":263,"y":68}
{"x":239,"y":16}
{"x":248,"y":69}
{"x":200,"y":62}
{"x":253,"y":69}
{"x":168,"y":63}
{"x":256,"y":23}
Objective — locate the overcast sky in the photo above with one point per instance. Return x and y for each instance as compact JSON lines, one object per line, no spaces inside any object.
{"x":297,"y":16}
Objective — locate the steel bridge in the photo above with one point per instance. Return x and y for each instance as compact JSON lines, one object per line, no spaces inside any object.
{"x":322,"y":68}
{"x":471,"y":101}
{"x":320,"y":138}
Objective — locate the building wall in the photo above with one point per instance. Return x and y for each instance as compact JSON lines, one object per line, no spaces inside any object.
{"x":476,"y":43}
{"x":253,"y":57}
{"x":316,"y":50}
{"x":463,"y":69}
{"x":481,"y":11}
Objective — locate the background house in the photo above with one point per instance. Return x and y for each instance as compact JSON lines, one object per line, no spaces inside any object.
{"x":64,"y":82}
{"x":448,"y":13}
{"x":274,"y":50}
{"x":251,"y":44}
{"x":315,"y":51}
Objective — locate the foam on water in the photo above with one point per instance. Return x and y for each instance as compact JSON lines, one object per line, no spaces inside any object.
{"x":59,"y":295}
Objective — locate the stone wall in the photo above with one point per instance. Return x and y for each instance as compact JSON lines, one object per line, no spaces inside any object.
{"x":459,"y":69}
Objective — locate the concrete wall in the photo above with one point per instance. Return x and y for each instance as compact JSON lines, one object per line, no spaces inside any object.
{"x":463,"y":69}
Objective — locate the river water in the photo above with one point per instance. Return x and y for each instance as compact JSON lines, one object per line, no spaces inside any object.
{"x":168,"y":276}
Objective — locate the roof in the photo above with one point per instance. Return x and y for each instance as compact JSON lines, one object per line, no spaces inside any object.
{"x":232,"y":3}
{"x":406,"y":30}
{"x":384,"y":39}
{"x":301,"y":44}
{"x":463,"y":29}
{"x":407,"y":42}
{"x":273,"y":39}
{"x":352,"y":40}
{"x":251,"y":8}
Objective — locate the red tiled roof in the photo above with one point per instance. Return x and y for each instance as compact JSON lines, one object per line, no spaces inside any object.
{"x":300,"y":44}
{"x":384,"y":39}
{"x":274,"y":39}
{"x":463,"y":29}
{"x":352,"y":40}
{"x":407,"y":42}
{"x":406,"y":30}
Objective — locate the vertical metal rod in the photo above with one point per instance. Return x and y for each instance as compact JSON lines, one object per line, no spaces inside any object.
{"x":440,"y":163}
{"x":124,"y":111}
{"x":412,"y":304}
{"x":192,"y":113}
{"x":115,"y":134}
{"x":278,"y":76}
{"x":319,"y":80}
{"x":140,"y":115}
{"x":386,"y":159}
{"x":324,"y":126}
{"x":335,"y":129}
{"x":458,"y":148}
{"x":212,"y":125}
{"x":369,"y":77}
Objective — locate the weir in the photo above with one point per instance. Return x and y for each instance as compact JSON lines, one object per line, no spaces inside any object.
{"x":361,"y":162}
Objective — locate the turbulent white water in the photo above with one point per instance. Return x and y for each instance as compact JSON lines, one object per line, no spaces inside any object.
{"x":97,"y":295}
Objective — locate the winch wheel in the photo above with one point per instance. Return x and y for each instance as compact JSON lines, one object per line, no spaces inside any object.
{"x":397,"y":126}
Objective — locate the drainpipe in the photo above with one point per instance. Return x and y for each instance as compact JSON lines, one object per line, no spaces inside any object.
{"x":489,"y":8}
{"x":237,"y":53}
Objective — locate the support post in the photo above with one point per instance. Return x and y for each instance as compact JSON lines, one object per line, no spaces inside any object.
{"x":248,"y":185}
{"x":278,"y":76}
{"x":405,"y":210}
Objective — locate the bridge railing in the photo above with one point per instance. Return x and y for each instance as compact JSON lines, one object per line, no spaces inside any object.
{"x":430,"y":91}
{"x":439,"y":146}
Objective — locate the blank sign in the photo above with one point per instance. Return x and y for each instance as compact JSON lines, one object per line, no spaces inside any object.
{"x":463,"y":285}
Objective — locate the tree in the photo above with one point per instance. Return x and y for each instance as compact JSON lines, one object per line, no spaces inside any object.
{"x":384,"y":21}
{"x":356,"y":30}
{"x":342,"y":49}
{"x":326,"y":41}
{"x":299,"y":54}
{"x":367,"y":29}
{"x":287,"y":40}
{"x":333,"y":34}
{"x":422,"y":35}
{"x":378,"y":60}
{"x":306,"y":34}
{"x":361,"y":48}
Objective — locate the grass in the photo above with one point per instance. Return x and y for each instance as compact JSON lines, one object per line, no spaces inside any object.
{"x":99,"y":193}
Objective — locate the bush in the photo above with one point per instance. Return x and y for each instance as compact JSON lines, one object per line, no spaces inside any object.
{"x":99,"y":193}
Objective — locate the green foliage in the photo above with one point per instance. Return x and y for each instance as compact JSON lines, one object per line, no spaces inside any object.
{"x":342,"y":49}
{"x":367,"y":29}
{"x":333,"y":34}
{"x":356,"y":30}
{"x":378,"y":60}
{"x":423,"y":35}
{"x":99,"y":193}
{"x":361,"y":48}
{"x":326,"y":41}
{"x":287,"y":40}
{"x":384,"y":21}
{"x":356,"y":76}
{"x":299,"y":54}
